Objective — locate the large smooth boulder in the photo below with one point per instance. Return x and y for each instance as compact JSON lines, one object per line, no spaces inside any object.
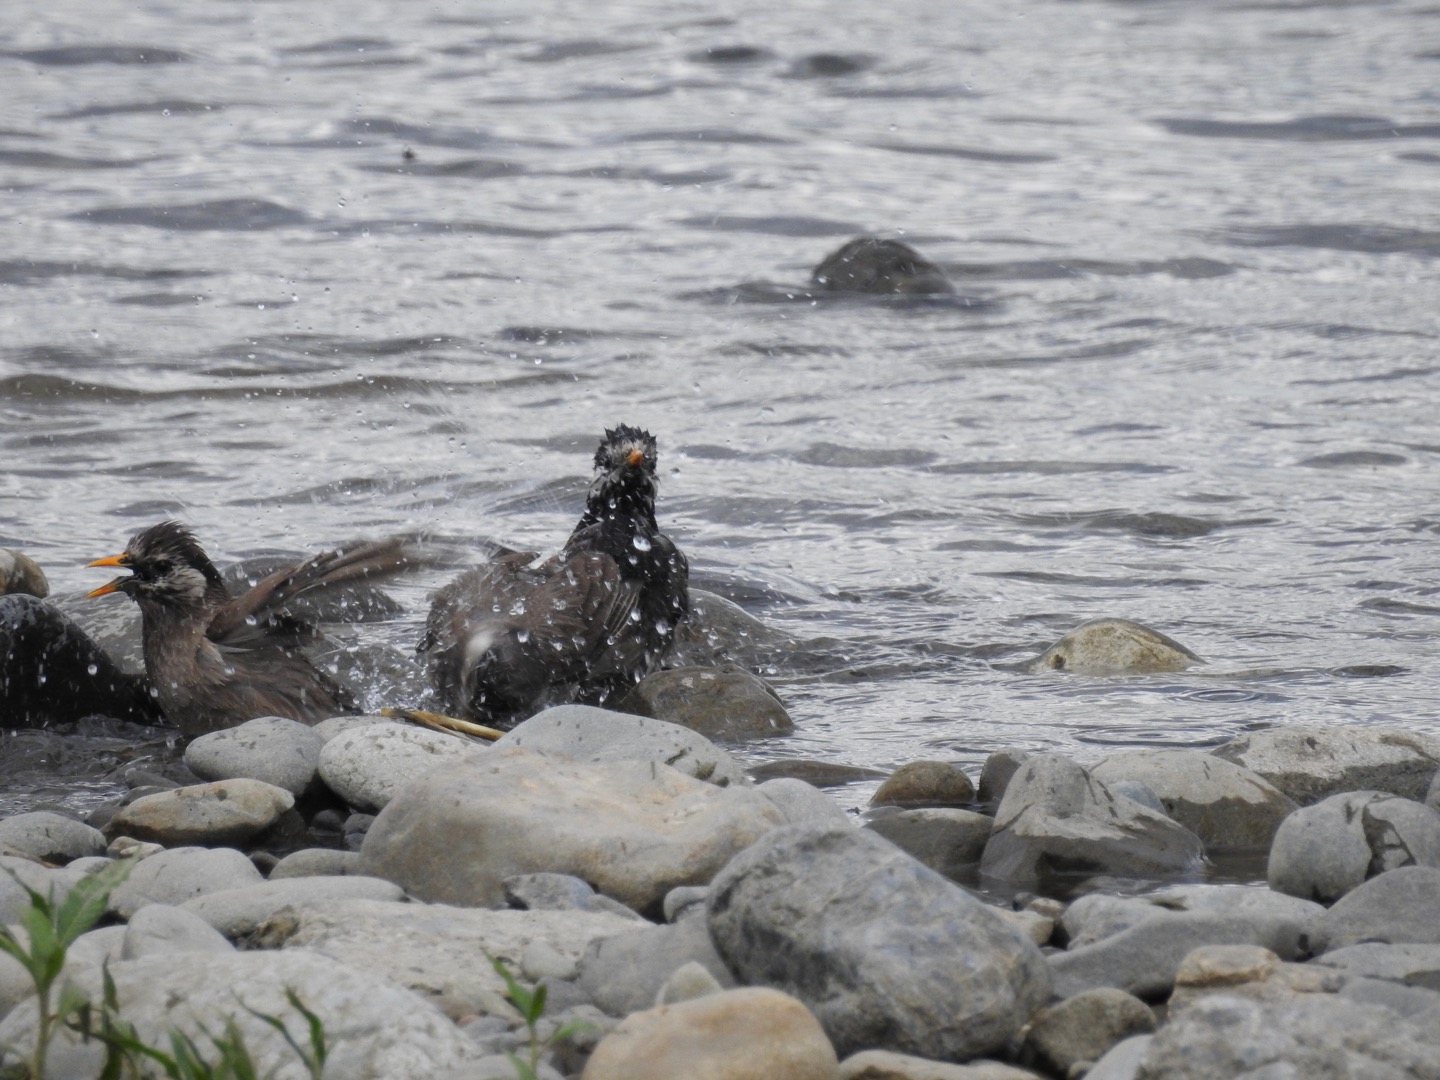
{"x":437,"y":950}
{"x":1315,"y":1037}
{"x":1057,"y":820}
{"x":374,"y":1029}
{"x":633,"y":829}
{"x":1323,"y":851}
{"x":1114,"y":647}
{"x":49,"y":837}
{"x":885,"y":952}
{"x":1399,"y":907}
{"x":1310,"y":763}
{"x":1228,"y":807}
{"x":585,"y":733}
{"x":734,"y":1035}
{"x":368,"y":763}
{"x":274,"y":749}
{"x":219,"y":814}
{"x":718,"y":702}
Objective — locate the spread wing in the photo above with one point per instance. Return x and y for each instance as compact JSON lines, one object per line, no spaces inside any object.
{"x":260,"y":615}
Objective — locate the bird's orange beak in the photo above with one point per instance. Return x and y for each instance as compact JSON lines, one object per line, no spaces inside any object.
{"x":635,"y":458}
{"x":110,"y":586}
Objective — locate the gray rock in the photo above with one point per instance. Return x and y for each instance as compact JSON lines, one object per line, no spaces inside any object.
{"x":888,"y":1065}
{"x":690,"y":980}
{"x":53,"y":838}
{"x":1316,"y":1037}
{"x":821,"y":774}
{"x":540,"y":960}
{"x":561,"y":892}
{"x":436,"y":950}
{"x":1114,"y":647}
{"x":1141,"y":793}
{"x":879,"y":266}
{"x":1082,"y":1028}
{"x":719,"y":631}
{"x":680,"y":900}
{"x":1432,"y":794}
{"x":317,"y":862}
{"x":1056,"y":819}
{"x":633,"y":829}
{"x":1413,"y":965}
{"x":218,"y":814}
{"x":1143,"y":959}
{"x":1323,"y":851}
{"x":1123,"y":1060}
{"x":278,"y":751}
{"x":803,"y":804}
{"x":236,"y":912}
{"x":1399,"y":907}
{"x":925,"y":783}
{"x":335,"y":725}
{"x":884,"y":951}
{"x":585,"y":733}
{"x":172,"y":877}
{"x":1248,"y":971}
{"x":367,"y":764}
{"x":997,"y":772}
{"x":945,"y":839}
{"x":21,"y":574}
{"x":1415,"y":1003}
{"x":159,"y":929}
{"x":624,"y":973}
{"x":374,"y":1029}
{"x":1227,"y":806}
{"x":1310,"y":763}
{"x":1097,"y":915}
{"x":718,"y":702}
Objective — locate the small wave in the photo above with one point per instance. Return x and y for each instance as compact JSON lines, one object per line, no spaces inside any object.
{"x":1370,"y":239}
{"x":966,"y":153}
{"x":238,"y":215}
{"x":77,"y":55}
{"x":1302,"y":129}
{"x":1349,"y":459}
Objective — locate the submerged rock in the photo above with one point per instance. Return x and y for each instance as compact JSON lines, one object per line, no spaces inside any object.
{"x":1057,"y":819}
{"x":1309,"y":763}
{"x":1114,"y":647}
{"x":633,"y":829}
{"x":946,"y":839}
{"x":718,"y":702}
{"x":886,"y":952}
{"x":873,"y":265}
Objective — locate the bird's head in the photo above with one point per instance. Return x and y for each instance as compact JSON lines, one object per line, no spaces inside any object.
{"x":624,"y":465}
{"x":166,"y":567}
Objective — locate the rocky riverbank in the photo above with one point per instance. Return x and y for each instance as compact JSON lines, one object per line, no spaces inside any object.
{"x":700,"y":924}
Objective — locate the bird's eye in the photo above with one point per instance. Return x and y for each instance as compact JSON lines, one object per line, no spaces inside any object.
{"x":162,"y":566}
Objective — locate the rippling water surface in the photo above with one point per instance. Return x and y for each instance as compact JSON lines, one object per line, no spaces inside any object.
{"x":300,"y":271}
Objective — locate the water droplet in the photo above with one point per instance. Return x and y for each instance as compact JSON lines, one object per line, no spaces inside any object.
{"x":641,"y":543}
{"x":522,"y":636}
{"x":92,"y":669}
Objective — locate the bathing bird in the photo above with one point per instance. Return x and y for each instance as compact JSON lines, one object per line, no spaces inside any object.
{"x":215,"y":660}
{"x":519,"y":633}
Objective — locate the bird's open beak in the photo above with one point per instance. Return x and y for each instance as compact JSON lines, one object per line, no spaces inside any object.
{"x":109,"y":586}
{"x":635,"y":458}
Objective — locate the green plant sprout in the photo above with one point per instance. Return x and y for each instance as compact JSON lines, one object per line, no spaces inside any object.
{"x":531,"y":1004}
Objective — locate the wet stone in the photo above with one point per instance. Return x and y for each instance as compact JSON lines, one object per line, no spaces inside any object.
{"x":925,"y":783}
{"x":949,"y":841}
{"x":1082,"y":1028}
{"x":278,"y":751}
{"x":724,"y":703}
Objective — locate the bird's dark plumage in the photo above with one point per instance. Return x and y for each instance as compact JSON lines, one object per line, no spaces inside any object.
{"x":510,"y":637}
{"x":215,"y":660}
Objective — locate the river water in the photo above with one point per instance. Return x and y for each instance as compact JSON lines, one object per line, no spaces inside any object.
{"x":299,"y":271}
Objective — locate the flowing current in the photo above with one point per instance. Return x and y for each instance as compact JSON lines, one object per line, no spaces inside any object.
{"x":299,"y":271}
